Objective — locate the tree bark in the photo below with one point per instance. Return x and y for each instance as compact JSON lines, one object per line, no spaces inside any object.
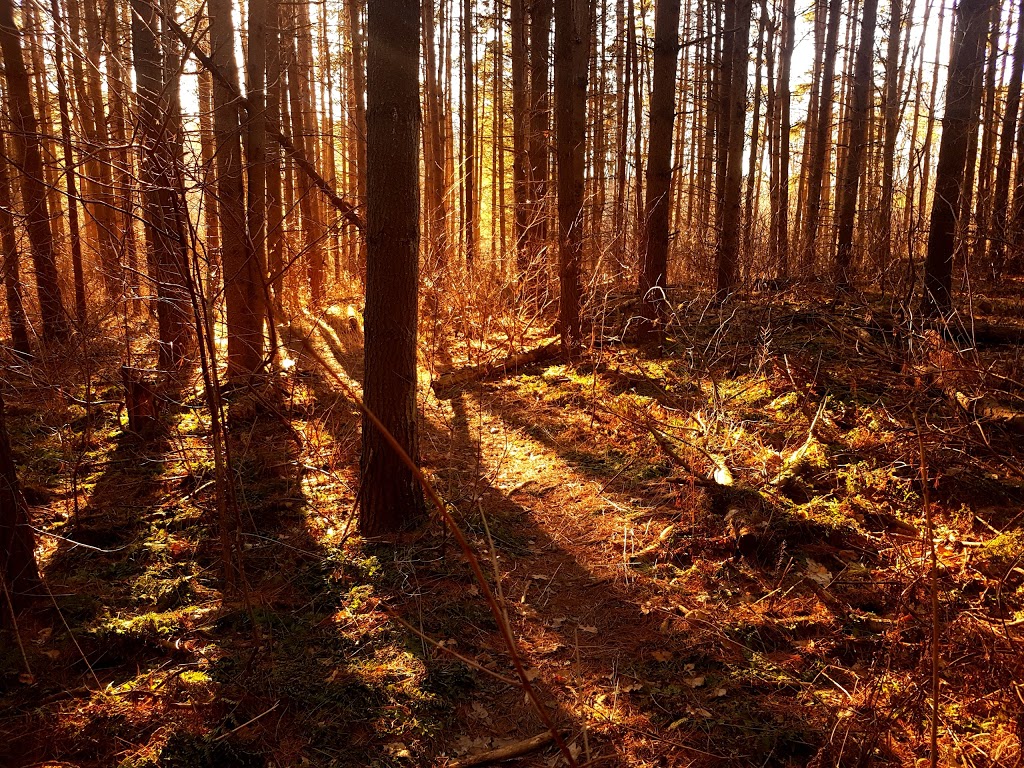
{"x":540,"y":121}
{"x":960,"y":119}
{"x":820,"y":141}
{"x":572,"y":37}
{"x":29,"y":160}
{"x":18,"y":568}
{"x":659,"y":163}
{"x":164,"y":210}
{"x":853,"y":160}
{"x":9,"y":247}
{"x":390,"y":498}
{"x":1000,"y":203}
{"x":734,"y":89}
{"x":243,"y":278}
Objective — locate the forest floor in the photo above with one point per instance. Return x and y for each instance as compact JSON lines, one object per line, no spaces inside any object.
{"x":717,"y":552}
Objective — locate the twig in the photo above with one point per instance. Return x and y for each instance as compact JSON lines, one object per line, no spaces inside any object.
{"x":934,"y":579}
{"x":248,"y":722}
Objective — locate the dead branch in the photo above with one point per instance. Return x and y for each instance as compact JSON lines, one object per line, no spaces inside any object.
{"x":506,"y":752}
{"x":449,"y":381}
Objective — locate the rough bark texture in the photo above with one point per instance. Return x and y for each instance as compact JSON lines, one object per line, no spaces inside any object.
{"x":9,"y":248}
{"x":164,"y":209}
{"x":1001,"y":198}
{"x":659,"y":160}
{"x":734,"y":88}
{"x":853,"y":160}
{"x":28,"y":158}
{"x":571,"y":43}
{"x":243,"y":288}
{"x":18,"y":567}
{"x":819,"y":141}
{"x":959,"y":121}
{"x":389,"y":497}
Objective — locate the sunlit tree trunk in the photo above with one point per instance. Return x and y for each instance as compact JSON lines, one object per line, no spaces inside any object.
{"x":164,"y":208}
{"x":70,"y":175}
{"x":571,"y":43}
{"x":659,"y":162}
{"x":28,"y":159}
{"x":243,"y":281}
{"x":540,"y":121}
{"x":520,"y":121}
{"x":891,"y":116}
{"x":389,"y":497}
{"x":9,"y":248}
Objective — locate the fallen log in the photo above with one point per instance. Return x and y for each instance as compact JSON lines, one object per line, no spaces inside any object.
{"x":505,"y":753}
{"x":449,"y":381}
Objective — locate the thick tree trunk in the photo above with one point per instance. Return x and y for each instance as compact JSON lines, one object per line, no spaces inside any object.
{"x":243,"y":278}
{"x":256,"y":133}
{"x":853,"y":160}
{"x":9,"y":248}
{"x":18,"y":569}
{"x":659,"y":162}
{"x":891,"y":117}
{"x":165,"y":207}
{"x":389,"y":497}
{"x":734,"y":88}
{"x":29,"y":160}
{"x":571,"y":43}
{"x":820,"y":141}
{"x":1000,"y":203}
{"x":70,"y":175}
{"x":960,"y":119}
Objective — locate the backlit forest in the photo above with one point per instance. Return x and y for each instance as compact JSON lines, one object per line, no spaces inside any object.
{"x":534,"y":382}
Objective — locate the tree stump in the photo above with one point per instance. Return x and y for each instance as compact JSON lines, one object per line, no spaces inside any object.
{"x":142,"y":403}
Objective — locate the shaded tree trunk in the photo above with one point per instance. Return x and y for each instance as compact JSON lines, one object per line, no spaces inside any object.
{"x":733,"y":119}
{"x":540,"y":121}
{"x":853,"y":160}
{"x":959,"y":121}
{"x":1000,"y":202}
{"x":389,"y":497}
{"x":819,"y":150}
{"x":520,"y":120}
{"x":18,"y":568}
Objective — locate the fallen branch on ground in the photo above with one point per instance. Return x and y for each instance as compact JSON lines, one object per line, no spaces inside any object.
{"x":547,"y":351}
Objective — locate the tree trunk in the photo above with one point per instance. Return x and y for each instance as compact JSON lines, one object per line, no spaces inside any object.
{"x":540,"y":121}
{"x":256,"y":134}
{"x":9,"y":248}
{"x":571,"y":42}
{"x":520,"y":119}
{"x":659,"y":162}
{"x":469,"y":132}
{"x":783,"y":98}
{"x":243,"y":279}
{"x":18,"y":570}
{"x":853,"y":160}
{"x":891,"y":116}
{"x":437,"y":210}
{"x":389,"y":497}
{"x":1000,"y":203}
{"x":28,"y":158}
{"x":358,"y":61}
{"x":69,"y":170}
{"x":164,"y":210}
{"x":820,"y":141}
{"x":960,"y":119}
{"x":734,"y":88}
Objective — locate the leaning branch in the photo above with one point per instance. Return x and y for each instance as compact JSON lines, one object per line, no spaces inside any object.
{"x":345,"y":208}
